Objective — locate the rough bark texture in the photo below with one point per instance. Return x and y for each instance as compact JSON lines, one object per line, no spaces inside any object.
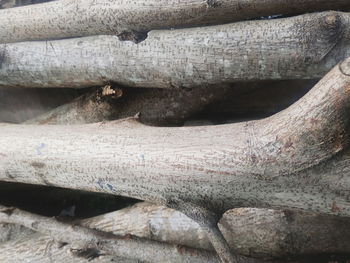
{"x":154,"y":106}
{"x":308,"y":47}
{"x":296,"y":159}
{"x":87,"y":239}
{"x":12,"y":232}
{"x":249,"y":231}
{"x":41,"y":248}
{"x":131,"y":20}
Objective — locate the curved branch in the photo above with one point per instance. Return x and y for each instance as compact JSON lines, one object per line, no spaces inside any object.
{"x":288,"y":160}
{"x":130,"y":20}
{"x":308,"y":47}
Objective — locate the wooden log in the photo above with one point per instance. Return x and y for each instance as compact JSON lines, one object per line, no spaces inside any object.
{"x":306,"y":46}
{"x":278,"y":162}
{"x":253,"y":232}
{"x":131,"y":20}
{"x":267,"y":159}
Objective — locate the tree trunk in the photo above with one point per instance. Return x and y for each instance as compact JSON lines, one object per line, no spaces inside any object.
{"x":309,"y":46}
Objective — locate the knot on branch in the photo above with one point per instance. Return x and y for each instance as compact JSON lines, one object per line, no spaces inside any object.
{"x":321,"y":35}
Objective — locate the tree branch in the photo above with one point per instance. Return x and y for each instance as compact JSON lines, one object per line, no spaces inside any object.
{"x":309,"y":46}
{"x":295,"y":159}
{"x":131,"y":20}
{"x":85,"y":238}
{"x":252,"y":232}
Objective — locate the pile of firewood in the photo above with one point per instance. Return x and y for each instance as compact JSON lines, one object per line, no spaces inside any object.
{"x":229,"y":118}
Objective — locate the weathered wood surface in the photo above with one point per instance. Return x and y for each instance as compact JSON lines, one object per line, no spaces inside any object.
{"x":296,"y":159}
{"x":252,"y":232}
{"x":86,"y":239}
{"x":131,"y":20}
{"x":306,"y":46}
{"x":259,"y":233}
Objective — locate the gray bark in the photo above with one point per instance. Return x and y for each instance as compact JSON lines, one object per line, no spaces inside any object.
{"x":249,"y":231}
{"x":306,"y":46}
{"x":296,"y":159}
{"x":259,"y":233}
{"x":130,"y":20}
{"x":83,"y":239}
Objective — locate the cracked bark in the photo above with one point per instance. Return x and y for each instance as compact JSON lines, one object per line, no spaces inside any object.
{"x":131,"y":20}
{"x":308,"y":47}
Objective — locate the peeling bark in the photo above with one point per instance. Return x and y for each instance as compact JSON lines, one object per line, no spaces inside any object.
{"x":296,"y":159}
{"x":308,"y":47}
{"x":131,"y":20}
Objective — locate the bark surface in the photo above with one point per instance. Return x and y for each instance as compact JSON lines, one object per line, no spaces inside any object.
{"x":306,"y":46}
{"x":249,"y":231}
{"x":131,"y":20}
{"x":296,"y":159}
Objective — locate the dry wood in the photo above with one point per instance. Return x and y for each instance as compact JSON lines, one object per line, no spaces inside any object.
{"x":89,"y":240}
{"x":295,"y":159}
{"x":286,"y":150}
{"x":306,"y":46}
{"x":162,"y":107}
{"x":131,"y":20}
{"x":249,"y":231}
{"x":252,"y":232}
{"x":41,"y":248}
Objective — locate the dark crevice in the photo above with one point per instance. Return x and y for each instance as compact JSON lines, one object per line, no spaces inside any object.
{"x":133,"y":36}
{"x":54,"y":201}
